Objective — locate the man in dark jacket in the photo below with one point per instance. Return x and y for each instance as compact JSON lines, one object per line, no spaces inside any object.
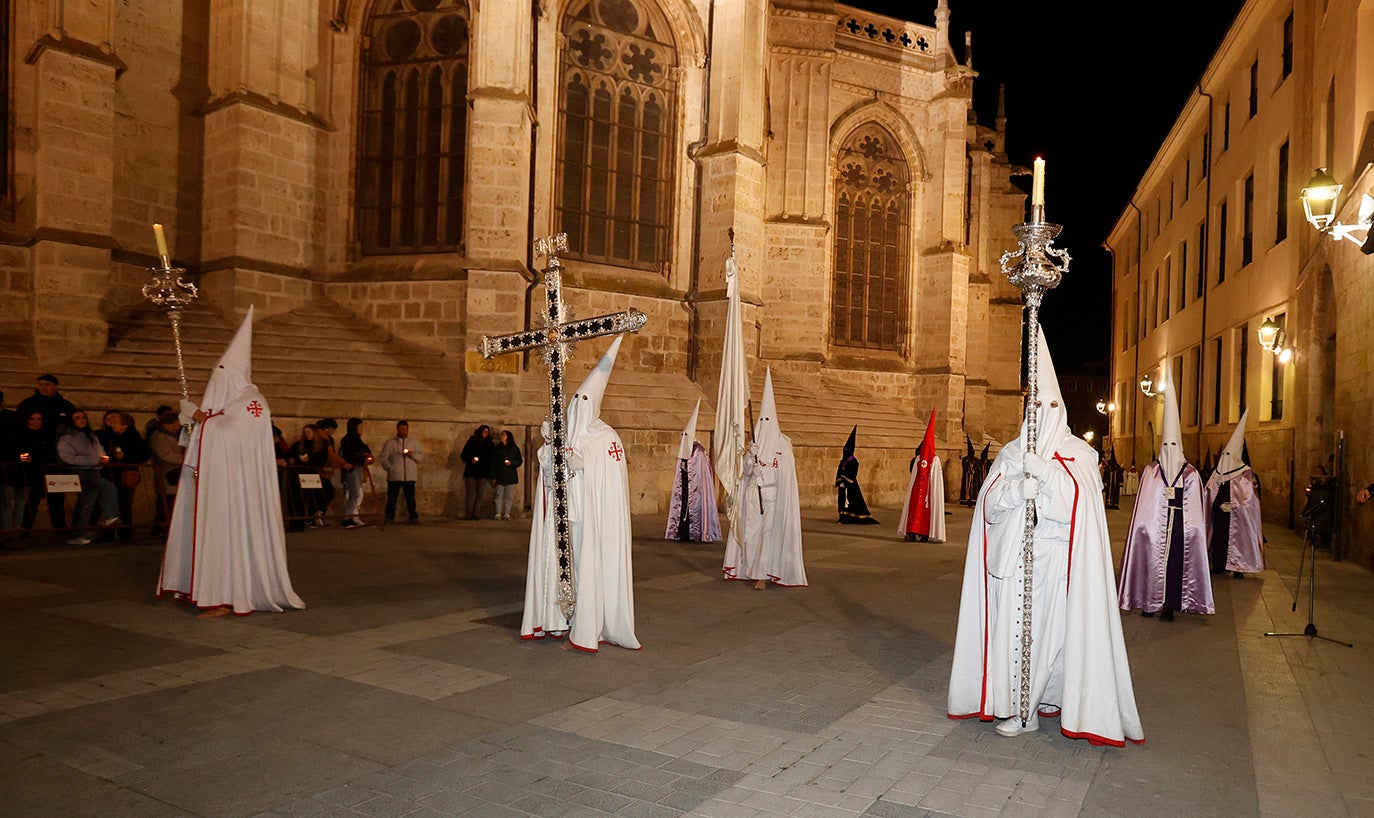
{"x":56,"y":411}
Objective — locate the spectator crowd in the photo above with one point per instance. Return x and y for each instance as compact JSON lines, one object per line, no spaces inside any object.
{"x":50,"y":448}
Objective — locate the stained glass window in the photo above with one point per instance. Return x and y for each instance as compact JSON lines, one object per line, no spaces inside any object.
{"x":617,"y":109}
{"x":413,"y":127}
{"x":872,"y":217}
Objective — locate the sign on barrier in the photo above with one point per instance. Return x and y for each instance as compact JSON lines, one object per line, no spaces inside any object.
{"x":63,"y":484}
{"x":311,"y":481}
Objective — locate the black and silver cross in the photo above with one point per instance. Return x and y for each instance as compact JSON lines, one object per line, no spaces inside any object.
{"x":553,"y":341}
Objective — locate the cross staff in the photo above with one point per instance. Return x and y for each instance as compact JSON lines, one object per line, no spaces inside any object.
{"x":553,"y":341}
{"x":1038,"y":268}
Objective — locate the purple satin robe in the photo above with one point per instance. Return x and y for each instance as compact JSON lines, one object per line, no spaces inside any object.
{"x":703,"y":516}
{"x":1245,"y":541}
{"x":1145,"y":561}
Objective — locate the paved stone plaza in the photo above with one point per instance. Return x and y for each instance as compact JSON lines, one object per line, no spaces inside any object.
{"x":405,"y":690}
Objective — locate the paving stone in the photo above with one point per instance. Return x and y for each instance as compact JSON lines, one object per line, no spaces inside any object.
{"x":887,"y":809}
{"x":358,"y":705}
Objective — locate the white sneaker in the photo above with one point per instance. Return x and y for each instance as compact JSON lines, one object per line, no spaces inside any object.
{"x":79,"y":541}
{"x":1012,"y":726}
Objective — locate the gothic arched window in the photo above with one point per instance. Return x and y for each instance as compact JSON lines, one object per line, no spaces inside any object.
{"x":413,"y":127}
{"x":872,"y":214}
{"x":617,"y":114}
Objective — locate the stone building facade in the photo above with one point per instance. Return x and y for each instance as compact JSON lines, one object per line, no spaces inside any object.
{"x":1214,"y":241}
{"x":388,"y":162}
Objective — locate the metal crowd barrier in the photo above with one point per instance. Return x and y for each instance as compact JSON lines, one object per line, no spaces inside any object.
{"x":37,"y":501}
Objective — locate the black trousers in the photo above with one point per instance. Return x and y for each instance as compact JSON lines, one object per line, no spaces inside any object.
{"x":394,"y":487}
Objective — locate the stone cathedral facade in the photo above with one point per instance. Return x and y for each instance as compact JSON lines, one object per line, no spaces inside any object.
{"x":370,"y":174}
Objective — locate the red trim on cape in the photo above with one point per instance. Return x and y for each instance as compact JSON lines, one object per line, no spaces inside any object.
{"x":983,"y":701}
{"x":1073,"y":520}
{"x":195,"y":511}
{"x":979,"y":716}
{"x":1098,"y":741}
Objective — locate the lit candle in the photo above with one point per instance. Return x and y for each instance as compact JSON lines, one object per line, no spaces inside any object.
{"x":1038,"y":183}
{"x":162,"y":241}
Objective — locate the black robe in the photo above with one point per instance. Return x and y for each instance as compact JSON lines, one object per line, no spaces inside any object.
{"x":853,"y":509}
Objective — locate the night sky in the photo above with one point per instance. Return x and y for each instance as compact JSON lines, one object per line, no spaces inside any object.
{"x":1095,"y":97}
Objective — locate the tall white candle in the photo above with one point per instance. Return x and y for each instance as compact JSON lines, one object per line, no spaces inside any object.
{"x":1038,"y":183}
{"x":161,"y":241}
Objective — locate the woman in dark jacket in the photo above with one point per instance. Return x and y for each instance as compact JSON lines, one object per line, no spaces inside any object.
{"x":35,"y":450}
{"x":306,"y":456}
{"x":126,"y":449}
{"x":477,"y":469}
{"x":505,"y":470}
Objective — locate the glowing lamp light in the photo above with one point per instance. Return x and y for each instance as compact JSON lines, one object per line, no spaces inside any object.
{"x":1269,"y":334}
{"x":1089,"y":435}
{"x":1285,"y":355}
{"x":1319,"y":199}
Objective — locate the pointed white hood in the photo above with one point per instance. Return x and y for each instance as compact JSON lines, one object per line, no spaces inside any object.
{"x":689,"y":435}
{"x":767,"y":433}
{"x":584,"y":408}
{"x":234,"y":372}
{"x":1052,"y":417}
{"x":1171,"y":458}
{"x":1232,"y":461}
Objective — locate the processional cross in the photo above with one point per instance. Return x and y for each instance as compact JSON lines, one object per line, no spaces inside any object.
{"x":554,"y":341}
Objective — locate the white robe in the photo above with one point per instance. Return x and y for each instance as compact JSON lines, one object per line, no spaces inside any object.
{"x":769,"y":545}
{"x":603,"y":576}
{"x":226,"y":544}
{"x":1078,"y":655}
{"x":935,"y":497}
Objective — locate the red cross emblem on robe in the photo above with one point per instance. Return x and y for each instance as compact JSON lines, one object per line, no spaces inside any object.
{"x":255,"y":409}
{"x":615,"y":451}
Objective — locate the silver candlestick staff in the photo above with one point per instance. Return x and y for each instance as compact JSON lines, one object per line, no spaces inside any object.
{"x":1035,"y":267}
{"x":171,"y":292}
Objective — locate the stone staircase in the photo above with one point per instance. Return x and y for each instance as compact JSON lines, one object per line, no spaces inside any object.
{"x":322,"y":360}
{"x":317,"y":360}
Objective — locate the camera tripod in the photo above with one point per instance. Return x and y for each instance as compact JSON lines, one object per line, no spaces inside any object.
{"x":1309,"y":555}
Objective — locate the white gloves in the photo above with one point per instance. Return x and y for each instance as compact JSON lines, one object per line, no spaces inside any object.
{"x":546,"y":429}
{"x":1030,"y":488}
{"x":188,"y":411}
{"x":574,"y":461}
{"x":1034,"y":465}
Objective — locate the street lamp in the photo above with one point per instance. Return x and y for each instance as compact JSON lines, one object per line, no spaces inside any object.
{"x":1089,"y":435}
{"x":1321,"y":204}
{"x":1270,"y":334}
{"x":1105,"y":408}
{"x":1147,"y":382}
{"x":1273,"y":338}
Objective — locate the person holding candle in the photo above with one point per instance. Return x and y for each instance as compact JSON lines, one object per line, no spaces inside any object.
{"x":401,"y":458}
{"x":34,"y":449}
{"x":477,"y":477}
{"x":126,"y":449}
{"x":1078,"y":670}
